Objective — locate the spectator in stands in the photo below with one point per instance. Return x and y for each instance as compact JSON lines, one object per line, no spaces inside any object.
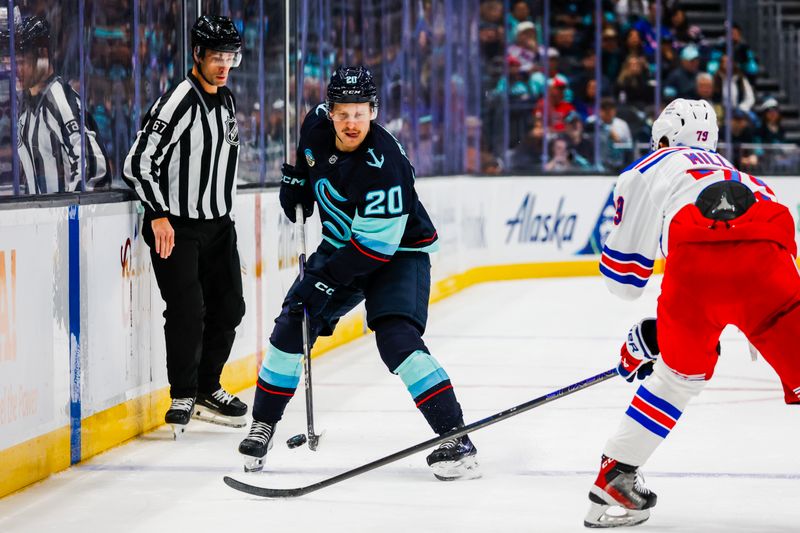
{"x":647,"y":31}
{"x":565,"y":43}
{"x":579,"y":142}
{"x":681,"y":32}
{"x":775,"y":158}
{"x":742,"y":54}
{"x":520,"y":12}
{"x":491,"y":47}
{"x":742,"y":96}
{"x":559,"y":108}
{"x":616,"y":141}
{"x":771,"y":131}
{"x":612,"y":55}
{"x":490,"y":164}
{"x":553,"y":62}
{"x":633,"y":83}
{"x":585,"y":99}
{"x":704,"y":87}
{"x":744,"y":157}
{"x":586,"y":73}
{"x":527,"y":155}
{"x":669,"y":57}
{"x":526,"y":48}
{"x":492,"y":11}
{"x":681,"y":81}
{"x":519,"y":84}
{"x":629,"y":11}
{"x":634,"y":46}
{"x":562,"y":158}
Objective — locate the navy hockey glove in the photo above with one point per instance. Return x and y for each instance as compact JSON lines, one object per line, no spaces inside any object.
{"x":295,"y":189}
{"x":313,"y":292}
{"x":639,"y":353}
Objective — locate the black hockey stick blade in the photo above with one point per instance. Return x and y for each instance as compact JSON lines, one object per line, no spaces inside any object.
{"x":430,"y":443}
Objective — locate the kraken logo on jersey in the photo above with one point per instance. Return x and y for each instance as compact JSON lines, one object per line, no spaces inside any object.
{"x":231,"y":131}
{"x":340,"y":223}
{"x":310,"y":157}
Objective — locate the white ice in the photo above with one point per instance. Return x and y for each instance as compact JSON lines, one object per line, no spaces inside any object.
{"x":731,"y":465}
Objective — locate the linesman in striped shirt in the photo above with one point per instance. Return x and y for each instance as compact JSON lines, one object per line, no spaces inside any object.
{"x":183,"y":166}
{"x":49,"y":142}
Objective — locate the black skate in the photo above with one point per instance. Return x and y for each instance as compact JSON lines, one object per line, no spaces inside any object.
{"x":221,"y":408}
{"x":621,"y":486}
{"x":256,"y":445}
{"x":454,"y":459}
{"x":178,"y":415}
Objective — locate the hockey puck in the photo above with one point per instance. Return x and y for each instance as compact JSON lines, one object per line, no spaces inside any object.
{"x":297,"y":440}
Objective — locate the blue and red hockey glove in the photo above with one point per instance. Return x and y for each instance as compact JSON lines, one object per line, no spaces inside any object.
{"x":640,"y":352}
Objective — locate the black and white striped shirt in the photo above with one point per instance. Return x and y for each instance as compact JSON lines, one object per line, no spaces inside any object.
{"x":185,"y":158}
{"x":49,"y":143}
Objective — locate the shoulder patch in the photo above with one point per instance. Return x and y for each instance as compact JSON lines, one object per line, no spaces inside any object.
{"x":377,"y":163}
{"x":158,"y":126}
{"x":310,"y":157}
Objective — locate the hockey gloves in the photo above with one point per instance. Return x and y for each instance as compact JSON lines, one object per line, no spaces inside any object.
{"x":639,"y":352}
{"x":313,"y":292}
{"x":295,"y":189}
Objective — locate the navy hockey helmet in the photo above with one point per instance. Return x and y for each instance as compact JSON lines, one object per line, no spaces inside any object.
{"x":214,"y":32}
{"x":352,"y":85}
{"x":32,"y":34}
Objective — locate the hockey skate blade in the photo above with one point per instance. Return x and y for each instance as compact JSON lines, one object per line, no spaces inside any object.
{"x":602,"y":515}
{"x":206,"y":415}
{"x":253,"y":464}
{"x":466,"y":468}
{"x":178,"y":430}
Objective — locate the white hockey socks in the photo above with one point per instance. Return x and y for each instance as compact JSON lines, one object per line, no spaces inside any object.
{"x":653,"y":412}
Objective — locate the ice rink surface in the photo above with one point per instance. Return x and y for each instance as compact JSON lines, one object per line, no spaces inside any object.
{"x":731,"y":465}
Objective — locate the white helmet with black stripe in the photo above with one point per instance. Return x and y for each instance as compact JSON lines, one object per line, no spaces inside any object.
{"x":686,"y":123}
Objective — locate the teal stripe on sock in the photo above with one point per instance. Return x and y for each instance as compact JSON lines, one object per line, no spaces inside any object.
{"x":417,"y":367}
{"x":279,"y":380}
{"x":429,"y":381}
{"x":278,"y":362}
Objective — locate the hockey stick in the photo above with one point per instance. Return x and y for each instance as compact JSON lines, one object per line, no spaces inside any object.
{"x":430,"y":443}
{"x":313,"y":438}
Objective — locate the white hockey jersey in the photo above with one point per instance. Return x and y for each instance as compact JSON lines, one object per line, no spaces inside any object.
{"x":648,"y":194}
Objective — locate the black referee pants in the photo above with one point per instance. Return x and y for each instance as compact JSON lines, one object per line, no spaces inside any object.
{"x":201,"y":284}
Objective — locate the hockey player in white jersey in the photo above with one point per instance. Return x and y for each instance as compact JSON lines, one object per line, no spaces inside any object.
{"x":731,"y":259}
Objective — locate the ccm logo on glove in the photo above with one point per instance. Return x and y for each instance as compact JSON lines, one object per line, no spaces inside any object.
{"x":293,"y":181}
{"x":324,"y":288}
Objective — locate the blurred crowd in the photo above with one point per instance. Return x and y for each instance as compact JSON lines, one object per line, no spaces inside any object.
{"x":520,"y":67}
{"x":109,"y":96}
{"x":464,"y":90}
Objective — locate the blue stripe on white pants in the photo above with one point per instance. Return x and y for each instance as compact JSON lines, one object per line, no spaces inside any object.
{"x":634,"y":443}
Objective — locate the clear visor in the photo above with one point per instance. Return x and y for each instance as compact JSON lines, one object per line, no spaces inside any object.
{"x":216,"y":59}
{"x":358,"y":116}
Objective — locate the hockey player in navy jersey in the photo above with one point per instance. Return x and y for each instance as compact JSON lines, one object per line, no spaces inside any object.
{"x":376,"y":240}
{"x":731,"y":259}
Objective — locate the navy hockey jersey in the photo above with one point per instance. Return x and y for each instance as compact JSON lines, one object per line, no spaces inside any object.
{"x":366,"y":198}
